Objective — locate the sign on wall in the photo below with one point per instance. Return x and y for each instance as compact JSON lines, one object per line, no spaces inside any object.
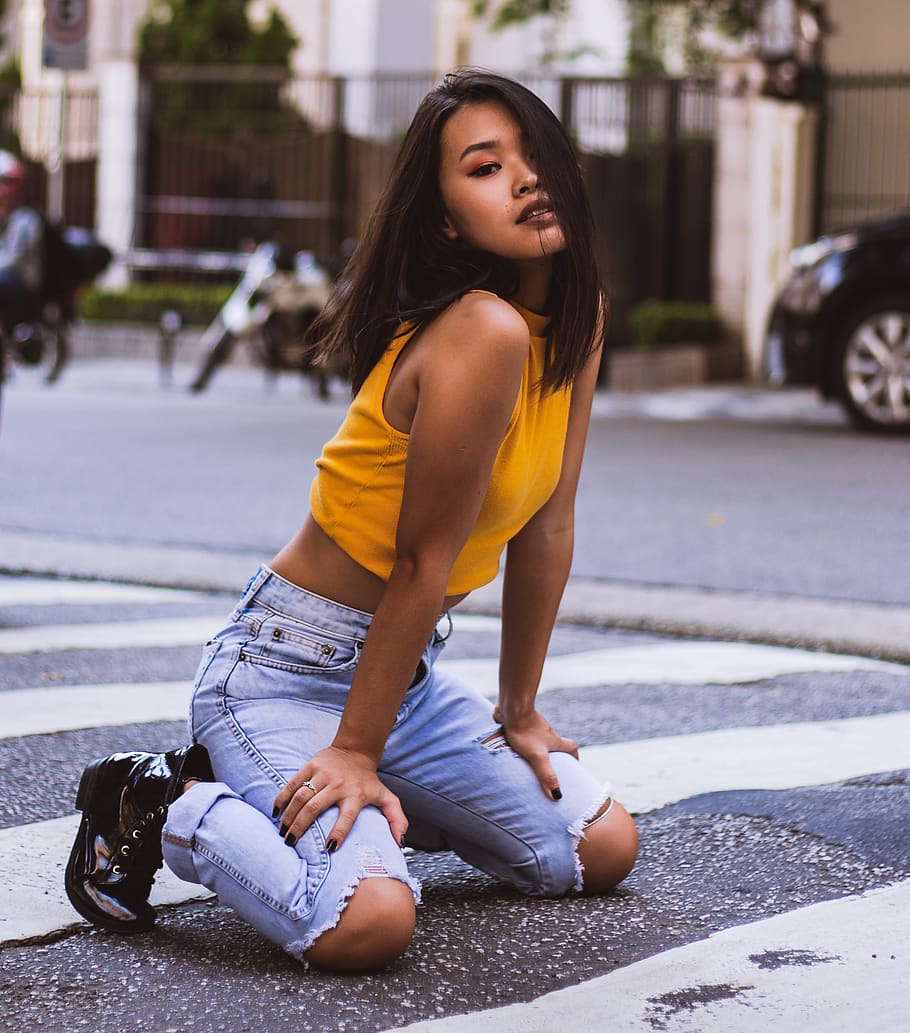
{"x":66,"y":25}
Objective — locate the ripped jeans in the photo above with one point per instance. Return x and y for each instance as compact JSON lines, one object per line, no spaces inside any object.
{"x":269,"y":694}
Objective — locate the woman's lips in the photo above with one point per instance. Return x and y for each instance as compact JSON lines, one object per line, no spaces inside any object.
{"x":537,"y":211}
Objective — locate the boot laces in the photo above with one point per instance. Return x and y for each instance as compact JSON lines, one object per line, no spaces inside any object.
{"x":136,"y":854}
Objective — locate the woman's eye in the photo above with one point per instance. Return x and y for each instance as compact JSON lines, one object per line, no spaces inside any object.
{"x":485,"y":170}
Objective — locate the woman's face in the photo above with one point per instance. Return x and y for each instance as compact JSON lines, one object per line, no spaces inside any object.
{"x":489,"y":186}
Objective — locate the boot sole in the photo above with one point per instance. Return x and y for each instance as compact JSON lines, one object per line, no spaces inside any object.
{"x":71,"y":879}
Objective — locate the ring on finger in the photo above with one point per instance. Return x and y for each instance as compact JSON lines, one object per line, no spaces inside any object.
{"x":307,"y":784}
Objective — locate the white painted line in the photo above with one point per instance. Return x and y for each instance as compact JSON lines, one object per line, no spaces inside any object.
{"x":37,"y":711}
{"x":650,"y":773}
{"x":41,"y":711}
{"x":32,"y":899}
{"x":646,"y":774}
{"x":53,"y":592}
{"x":672,"y":663}
{"x":163,"y":632}
{"x":835,"y":967}
{"x":171,"y":631}
{"x":471,"y":622}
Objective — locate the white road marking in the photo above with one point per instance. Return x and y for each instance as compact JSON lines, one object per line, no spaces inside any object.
{"x":41,"y":710}
{"x":672,"y":663}
{"x":834,"y":967}
{"x":645,"y":774}
{"x":59,"y":709}
{"x":650,"y":773}
{"x":32,"y":899}
{"x":53,"y":592}
{"x":143,"y":634}
{"x":171,"y":631}
{"x":677,"y":663}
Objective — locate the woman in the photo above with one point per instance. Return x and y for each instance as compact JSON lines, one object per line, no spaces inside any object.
{"x":473,"y":318}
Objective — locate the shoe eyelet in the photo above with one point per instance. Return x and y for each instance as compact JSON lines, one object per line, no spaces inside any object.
{"x":136,"y":834}
{"x":117,"y":870}
{"x":125,"y":849}
{"x":150,"y":816}
{"x":162,"y":811}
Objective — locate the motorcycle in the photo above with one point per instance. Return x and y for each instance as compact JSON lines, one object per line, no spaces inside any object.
{"x":35,"y":333}
{"x":270,"y":310}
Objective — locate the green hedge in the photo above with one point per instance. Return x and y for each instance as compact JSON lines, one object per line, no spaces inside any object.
{"x":654,"y":324}
{"x":144,"y":302}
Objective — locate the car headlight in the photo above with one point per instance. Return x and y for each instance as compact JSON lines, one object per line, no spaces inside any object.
{"x":811,"y":254}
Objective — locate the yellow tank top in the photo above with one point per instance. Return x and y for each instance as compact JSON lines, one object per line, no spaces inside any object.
{"x":356,"y":494}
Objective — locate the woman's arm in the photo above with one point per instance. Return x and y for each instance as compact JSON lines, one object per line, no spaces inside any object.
{"x":537,"y":567}
{"x":465,"y":378}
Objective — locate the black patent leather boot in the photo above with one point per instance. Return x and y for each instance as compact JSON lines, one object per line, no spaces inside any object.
{"x":124,"y":800}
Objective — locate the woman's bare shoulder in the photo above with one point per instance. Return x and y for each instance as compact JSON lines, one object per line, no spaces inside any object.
{"x":483,"y":323}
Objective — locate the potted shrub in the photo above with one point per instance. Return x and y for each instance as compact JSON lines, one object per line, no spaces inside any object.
{"x":673,"y":343}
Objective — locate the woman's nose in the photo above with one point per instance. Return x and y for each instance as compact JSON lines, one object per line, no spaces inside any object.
{"x":527,"y":182}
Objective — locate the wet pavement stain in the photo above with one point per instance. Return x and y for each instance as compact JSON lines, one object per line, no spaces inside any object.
{"x":666,"y":1006}
{"x":771,"y":960}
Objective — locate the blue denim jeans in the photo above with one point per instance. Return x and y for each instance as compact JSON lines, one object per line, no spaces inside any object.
{"x":269,"y":694}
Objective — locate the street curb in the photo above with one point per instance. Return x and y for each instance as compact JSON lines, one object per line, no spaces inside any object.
{"x":864,"y":629}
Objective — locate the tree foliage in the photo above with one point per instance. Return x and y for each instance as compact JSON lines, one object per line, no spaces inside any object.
{"x":734,"y":18}
{"x":206,"y":32}
{"x":513,"y":12}
{"x":198,"y":33}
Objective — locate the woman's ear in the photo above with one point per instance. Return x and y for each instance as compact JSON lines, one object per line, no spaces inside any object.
{"x":448,"y":230}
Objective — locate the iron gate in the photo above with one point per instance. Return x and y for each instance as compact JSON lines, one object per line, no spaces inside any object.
{"x":864,"y":149}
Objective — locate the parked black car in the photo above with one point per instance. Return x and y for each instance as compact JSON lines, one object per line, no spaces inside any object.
{"x":842,"y":323}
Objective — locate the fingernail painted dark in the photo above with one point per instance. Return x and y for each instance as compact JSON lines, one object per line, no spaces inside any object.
{"x":556,"y":793}
{"x":331,"y":846}
{"x":290,"y":839}
{"x":276,"y":811}
{"x":282,"y":830}
{"x":401,"y":839}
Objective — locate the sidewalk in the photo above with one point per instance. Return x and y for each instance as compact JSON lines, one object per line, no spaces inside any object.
{"x":865,"y":629}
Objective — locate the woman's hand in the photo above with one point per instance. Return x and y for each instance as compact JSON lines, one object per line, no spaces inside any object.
{"x":336,"y":777}
{"x":533,"y":738}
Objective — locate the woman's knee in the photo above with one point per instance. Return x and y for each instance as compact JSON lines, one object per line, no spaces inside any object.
{"x":608,"y":849}
{"x":375,"y":928}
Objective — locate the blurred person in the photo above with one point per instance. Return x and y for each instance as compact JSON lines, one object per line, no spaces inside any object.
{"x":21,"y":240}
{"x":325,"y":738}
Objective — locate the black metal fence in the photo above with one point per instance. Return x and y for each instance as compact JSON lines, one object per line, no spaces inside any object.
{"x":233,"y":157}
{"x":229,"y":157}
{"x":864,"y":149}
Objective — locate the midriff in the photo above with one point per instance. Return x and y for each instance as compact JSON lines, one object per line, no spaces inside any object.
{"x":312,"y":561}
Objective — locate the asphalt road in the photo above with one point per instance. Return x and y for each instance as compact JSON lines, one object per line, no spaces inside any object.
{"x":770,"y":785}
{"x":727,"y":489}
{"x":738,"y":826}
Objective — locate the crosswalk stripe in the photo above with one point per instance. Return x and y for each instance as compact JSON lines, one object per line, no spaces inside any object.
{"x":34,"y":711}
{"x":673,"y":663}
{"x":64,"y":709}
{"x":163,"y":632}
{"x":795,"y":971}
{"x":645,"y":774}
{"x":52,"y":592}
{"x":170,"y":631}
{"x":34,"y":902}
{"x":650,"y":773}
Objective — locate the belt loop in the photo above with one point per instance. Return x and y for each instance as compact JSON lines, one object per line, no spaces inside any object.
{"x":254,"y":584}
{"x":437,"y":638}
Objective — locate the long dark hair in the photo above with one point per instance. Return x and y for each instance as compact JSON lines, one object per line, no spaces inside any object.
{"x":406,"y":270}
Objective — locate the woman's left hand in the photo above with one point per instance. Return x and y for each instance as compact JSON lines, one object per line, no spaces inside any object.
{"x":533,"y":738}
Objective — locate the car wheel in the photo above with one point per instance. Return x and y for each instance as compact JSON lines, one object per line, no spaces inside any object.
{"x":873,"y":366}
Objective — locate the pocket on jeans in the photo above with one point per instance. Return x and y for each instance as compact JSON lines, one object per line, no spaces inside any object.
{"x":209,"y":652}
{"x":296,"y":644}
{"x":284,"y":646}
